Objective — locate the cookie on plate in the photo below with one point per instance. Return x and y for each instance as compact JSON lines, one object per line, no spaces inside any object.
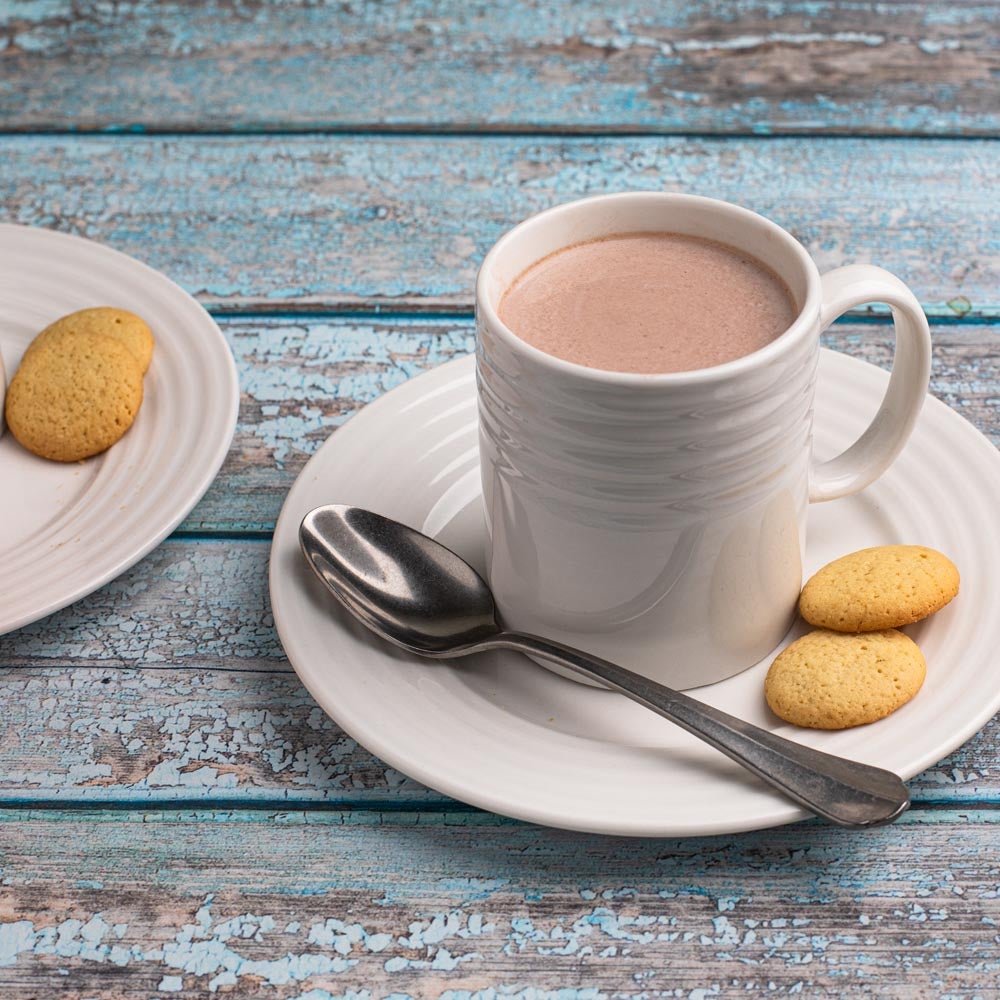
{"x":830,"y":680}
{"x":74,"y":397}
{"x":118,"y":324}
{"x":878,"y":588}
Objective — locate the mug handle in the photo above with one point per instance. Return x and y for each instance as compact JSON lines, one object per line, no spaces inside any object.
{"x":865,"y":460}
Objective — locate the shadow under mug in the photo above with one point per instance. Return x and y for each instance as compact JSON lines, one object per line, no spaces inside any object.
{"x":659,"y":520}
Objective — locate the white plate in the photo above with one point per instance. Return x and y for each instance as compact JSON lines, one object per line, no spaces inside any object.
{"x":504,"y":734}
{"x":66,"y":529}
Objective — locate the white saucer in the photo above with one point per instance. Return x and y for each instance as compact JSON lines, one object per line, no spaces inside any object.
{"x":66,"y":529}
{"x":506,"y":735}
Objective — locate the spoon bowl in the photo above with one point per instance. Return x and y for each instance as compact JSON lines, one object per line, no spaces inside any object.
{"x":404,"y":586}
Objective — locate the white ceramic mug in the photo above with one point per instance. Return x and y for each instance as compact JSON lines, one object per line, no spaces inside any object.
{"x":659,"y":520}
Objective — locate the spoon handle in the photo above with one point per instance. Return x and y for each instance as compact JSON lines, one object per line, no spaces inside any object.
{"x":843,"y":791}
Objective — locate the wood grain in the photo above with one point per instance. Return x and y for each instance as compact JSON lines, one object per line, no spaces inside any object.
{"x":707,"y":66}
{"x":302,"y":378}
{"x":116,"y":700}
{"x":416,"y":905}
{"x":313,"y":222}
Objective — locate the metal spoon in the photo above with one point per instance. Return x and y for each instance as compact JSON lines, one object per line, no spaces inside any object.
{"x":417,"y":594}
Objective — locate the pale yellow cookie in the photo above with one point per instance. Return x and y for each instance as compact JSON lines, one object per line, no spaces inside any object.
{"x":829,"y":680}
{"x":74,"y":397}
{"x":878,"y":588}
{"x":118,"y":324}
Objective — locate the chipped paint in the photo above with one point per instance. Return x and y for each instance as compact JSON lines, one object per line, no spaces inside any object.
{"x":916,"y":67}
{"x":807,"y":908}
{"x":213,"y":949}
{"x":316,"y":375}
{"x":283,"y":221}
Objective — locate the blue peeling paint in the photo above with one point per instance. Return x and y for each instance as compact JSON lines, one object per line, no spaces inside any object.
{"x":281,"y":219}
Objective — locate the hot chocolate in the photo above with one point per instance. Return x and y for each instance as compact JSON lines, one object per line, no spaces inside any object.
{"x":648,"y":302}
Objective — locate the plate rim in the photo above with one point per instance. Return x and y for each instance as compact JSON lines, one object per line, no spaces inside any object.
{"x":369,"y":735}
{"x":184,"y":504}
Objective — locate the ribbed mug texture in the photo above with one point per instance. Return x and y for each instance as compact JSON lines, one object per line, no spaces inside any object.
{"x":659,"y":525}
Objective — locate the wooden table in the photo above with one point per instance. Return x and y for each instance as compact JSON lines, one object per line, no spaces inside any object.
{"x":177,"y":817}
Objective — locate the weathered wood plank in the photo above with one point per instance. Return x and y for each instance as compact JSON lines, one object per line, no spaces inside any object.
{"x":320,"y":222}
{"x":320,"y":906}
{"x":113,"y":700}
{"x":915,"y":67}
{"x":301,"y":379}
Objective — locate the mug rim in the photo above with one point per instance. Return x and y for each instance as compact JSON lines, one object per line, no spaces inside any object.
{"x":802,"y":324}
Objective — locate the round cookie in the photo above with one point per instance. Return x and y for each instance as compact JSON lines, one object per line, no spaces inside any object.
{"x":829,"y":680}
{"x":879,"y":588}
{"x":74,"y":398}
{"x":120,"y":325}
